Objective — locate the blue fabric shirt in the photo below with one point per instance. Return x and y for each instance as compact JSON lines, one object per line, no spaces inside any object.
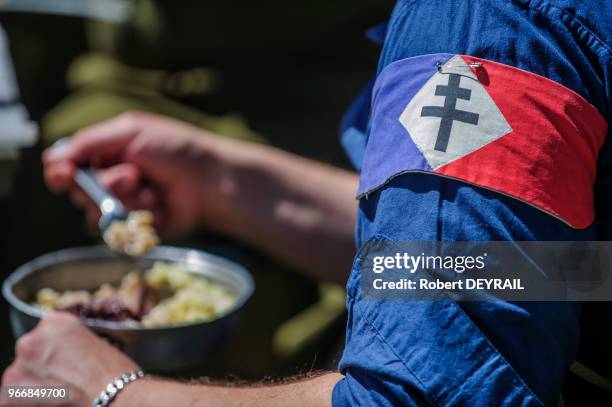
{"x":483,"y":353}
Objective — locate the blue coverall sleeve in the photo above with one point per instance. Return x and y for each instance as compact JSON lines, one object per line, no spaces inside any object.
{"x":481,"y":353}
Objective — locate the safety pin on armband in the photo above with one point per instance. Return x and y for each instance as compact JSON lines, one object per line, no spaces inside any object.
{"x":440,"y":65}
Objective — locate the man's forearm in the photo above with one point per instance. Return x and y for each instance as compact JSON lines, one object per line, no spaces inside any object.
{"x":314,"y":391}
{"x":299,"y":210}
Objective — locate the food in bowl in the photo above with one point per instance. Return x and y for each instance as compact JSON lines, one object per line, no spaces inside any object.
{"x":135,"y":236}
{"x":165,"y":295}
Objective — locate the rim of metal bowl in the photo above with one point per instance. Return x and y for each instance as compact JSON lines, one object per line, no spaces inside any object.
{"x":190,"y":257}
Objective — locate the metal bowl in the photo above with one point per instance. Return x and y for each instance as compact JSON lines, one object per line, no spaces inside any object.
{"x":167,"y":349}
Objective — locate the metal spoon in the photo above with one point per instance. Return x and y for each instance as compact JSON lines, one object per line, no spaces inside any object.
{"x":111,"y":209}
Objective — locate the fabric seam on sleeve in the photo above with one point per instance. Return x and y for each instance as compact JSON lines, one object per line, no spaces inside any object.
{"x":484,"y":337}
{"x":541,"y":8}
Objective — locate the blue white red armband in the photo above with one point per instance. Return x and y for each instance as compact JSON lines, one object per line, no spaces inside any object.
{"x":490,"y":125}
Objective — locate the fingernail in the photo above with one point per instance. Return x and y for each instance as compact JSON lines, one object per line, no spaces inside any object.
{"x":57,"y":152}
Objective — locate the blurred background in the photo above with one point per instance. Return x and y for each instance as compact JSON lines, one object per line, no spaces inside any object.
{"x":273,"y":72}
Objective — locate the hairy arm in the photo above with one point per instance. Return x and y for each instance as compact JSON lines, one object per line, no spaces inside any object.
{"x":314,"y":391}
{"x":63,"y":352}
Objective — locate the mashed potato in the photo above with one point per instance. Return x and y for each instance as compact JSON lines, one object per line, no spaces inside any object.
{"x":195,"y":299}
{"x":165,"y":295}
{"x":134,"y":236}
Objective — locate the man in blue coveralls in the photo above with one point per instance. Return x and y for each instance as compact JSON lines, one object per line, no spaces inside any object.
{"x":527,"y":80}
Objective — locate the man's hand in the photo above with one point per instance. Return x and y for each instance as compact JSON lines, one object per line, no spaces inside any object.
{"x":298,"y":210}
{"x":149,"y":162}
{"x":61,"y":351}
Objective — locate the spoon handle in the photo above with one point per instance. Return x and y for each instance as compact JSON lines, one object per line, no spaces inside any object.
{"x":88,"y":181}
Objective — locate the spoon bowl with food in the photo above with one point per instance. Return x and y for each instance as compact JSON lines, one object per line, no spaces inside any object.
{"x":131,"y":233}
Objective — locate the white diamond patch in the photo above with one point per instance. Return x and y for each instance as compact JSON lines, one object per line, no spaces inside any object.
{"x":452,"y":115}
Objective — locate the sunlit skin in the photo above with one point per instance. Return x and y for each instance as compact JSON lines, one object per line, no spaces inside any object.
{"x":298,"y":210}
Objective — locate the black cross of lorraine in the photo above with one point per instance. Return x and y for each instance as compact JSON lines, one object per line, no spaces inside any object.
{"x":449,"y":113}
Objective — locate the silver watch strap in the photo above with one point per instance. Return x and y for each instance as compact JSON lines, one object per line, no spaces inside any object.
{"x":114,"y":387}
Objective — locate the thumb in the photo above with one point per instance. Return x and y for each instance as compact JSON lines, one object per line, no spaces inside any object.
{"x":104,"y":141}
